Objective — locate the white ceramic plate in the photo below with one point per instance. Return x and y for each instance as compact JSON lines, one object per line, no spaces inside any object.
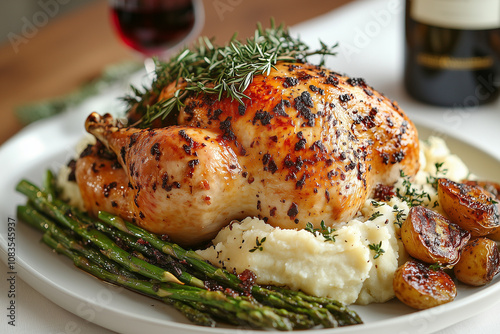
{"x":50,"y":143}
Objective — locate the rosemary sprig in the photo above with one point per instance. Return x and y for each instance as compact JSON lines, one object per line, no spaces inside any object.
{"x":219,"y":70}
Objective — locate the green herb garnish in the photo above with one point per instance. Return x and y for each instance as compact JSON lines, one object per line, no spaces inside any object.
{"x":376,"y":204}
{"x":377,"y":248}
{"x":326,"y":231}
{"x":219,"y":70}
{"x":400,"y":215}
{"x":410,"y":195}
{"x":258,"y":245}
{"x":433,"y":180}
{"x":435,"y":267}
{"x":375,"y":215}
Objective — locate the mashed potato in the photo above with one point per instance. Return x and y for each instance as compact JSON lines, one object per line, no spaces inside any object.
{"x":347,"y":269}
{"x":344,"y":269}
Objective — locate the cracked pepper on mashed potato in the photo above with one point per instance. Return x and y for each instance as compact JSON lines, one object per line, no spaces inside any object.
{"x":355,"y":263}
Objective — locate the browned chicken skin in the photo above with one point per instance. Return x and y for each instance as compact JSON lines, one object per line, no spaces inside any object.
{"x":309,"y":145}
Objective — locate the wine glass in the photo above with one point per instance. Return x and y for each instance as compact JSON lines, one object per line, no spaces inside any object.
{"x":157,"y":28}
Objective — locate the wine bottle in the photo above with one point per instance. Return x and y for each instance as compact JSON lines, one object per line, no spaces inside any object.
{"x":452,"y":51}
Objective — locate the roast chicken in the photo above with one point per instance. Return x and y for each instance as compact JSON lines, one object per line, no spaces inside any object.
{"x":308,"y":145}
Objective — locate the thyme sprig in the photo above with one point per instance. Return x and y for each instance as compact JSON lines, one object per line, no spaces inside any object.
{"x":433,"y":180}
{"x":325,"y":231}
{"x":258,"y":245}
{"x":375,"y":215}
{"x":400,"y":215}
{"x":377,"y":248}
{"x":409,"y":194}
{"x":436,"y":266}
{"x":219,"y":70}
{"x":377,"y":204}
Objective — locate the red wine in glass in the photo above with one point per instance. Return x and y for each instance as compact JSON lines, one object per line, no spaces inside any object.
{"x":152,"y":27}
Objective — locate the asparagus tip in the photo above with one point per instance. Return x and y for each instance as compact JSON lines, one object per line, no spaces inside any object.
{"x":169,"y":277}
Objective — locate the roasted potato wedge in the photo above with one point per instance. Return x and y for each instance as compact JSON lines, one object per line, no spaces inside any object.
{"x":420,"y":287}
{"x":430,"y":237}
{"x":479,"y":262}
{"x":494,"y":189}
{"x":489,"y":186}
{"x":471,"y":207}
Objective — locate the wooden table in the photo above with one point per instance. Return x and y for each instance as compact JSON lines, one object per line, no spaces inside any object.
{"x":75,"y":48}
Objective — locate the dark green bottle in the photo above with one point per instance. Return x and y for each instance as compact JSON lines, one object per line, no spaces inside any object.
{"x":452,"y":51}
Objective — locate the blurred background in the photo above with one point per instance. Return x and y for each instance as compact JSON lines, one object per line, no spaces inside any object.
{"x":12,"y":12}
{"x":50,"y":48}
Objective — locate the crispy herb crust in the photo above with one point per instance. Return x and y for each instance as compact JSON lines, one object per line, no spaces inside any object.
{"x":219,"y":70}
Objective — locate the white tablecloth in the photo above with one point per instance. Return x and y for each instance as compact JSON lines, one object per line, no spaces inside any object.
{"x":370,"y":34}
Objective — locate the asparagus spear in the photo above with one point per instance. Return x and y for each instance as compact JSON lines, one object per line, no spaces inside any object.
{"x":152,"y":256}
{"x":343,"y":314}
{"x":192,"y":313}
{"x":119,"y":236}
{"x":108,"y":248}
{"x":49,"y":184}
{"x":66,"y":245}
{"x":189,"y":256}
{"x":29,"y":215}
